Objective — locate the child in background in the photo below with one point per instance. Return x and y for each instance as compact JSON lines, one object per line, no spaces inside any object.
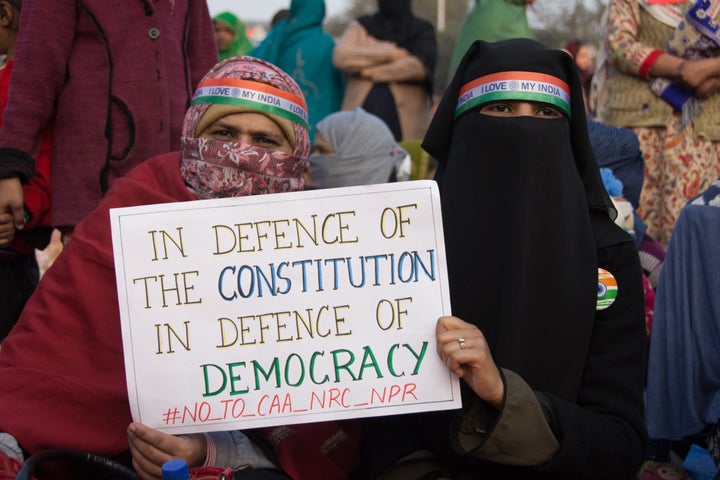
{"x":19,"y":272}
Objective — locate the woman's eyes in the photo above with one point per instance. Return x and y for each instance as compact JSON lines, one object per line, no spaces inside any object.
{"x":499,"y":107}
{"x":266,"y":141}
{"x":548,"y":112}
{"x":257,"y":139}
{"x":221,"y":133}
{"x":520,"y":109}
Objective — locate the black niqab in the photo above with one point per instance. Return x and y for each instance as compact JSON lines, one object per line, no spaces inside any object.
{"x":525,"y":213}
{"x":517,"y":195}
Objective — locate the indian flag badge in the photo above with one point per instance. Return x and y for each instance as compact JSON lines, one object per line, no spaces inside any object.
{"x":607,"y":289}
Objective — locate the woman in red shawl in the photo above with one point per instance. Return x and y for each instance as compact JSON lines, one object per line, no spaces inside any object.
{"x":62,"y":366}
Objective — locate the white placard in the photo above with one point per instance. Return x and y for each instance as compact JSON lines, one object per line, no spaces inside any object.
{"x":287,"y":308}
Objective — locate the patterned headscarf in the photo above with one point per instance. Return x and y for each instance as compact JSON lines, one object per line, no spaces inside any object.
{"x":218,"y":169}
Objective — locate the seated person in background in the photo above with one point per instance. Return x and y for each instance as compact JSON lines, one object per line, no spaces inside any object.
{"x":356,"y":148}
{"x":625,"y":211}
{"x":62,"y":366}
{"x":626,"y":220}
{"x":618,"y":149}
{"x":551,"y":370}
{"x":683,"y":381}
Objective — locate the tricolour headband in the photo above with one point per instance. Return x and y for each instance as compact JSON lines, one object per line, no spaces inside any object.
{"x":524,"y":86}
{"x":253,"y":95}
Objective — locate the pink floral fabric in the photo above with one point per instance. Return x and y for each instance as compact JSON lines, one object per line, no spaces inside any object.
{"x":678,"y":167}
{"x":649,"y":303}
{"x":626,"y":53}
{"x":216,"y":169}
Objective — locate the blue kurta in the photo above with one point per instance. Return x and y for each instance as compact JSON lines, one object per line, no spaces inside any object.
{"x":683,"y":385}
{"x":301,"y":48}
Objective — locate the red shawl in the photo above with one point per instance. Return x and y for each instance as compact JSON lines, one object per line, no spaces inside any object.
{"x":61,"y":368}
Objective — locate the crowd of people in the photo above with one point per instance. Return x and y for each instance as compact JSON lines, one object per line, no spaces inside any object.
{"x":575,"y":162}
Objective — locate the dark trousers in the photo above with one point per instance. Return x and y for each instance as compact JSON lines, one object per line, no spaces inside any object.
{"x":19,"y":276}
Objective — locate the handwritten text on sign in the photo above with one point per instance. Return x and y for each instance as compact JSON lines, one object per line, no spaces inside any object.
{"x":287,"y":308}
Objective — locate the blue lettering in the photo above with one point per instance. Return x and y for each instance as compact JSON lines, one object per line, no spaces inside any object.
{"x":465,"y":97}
{"x":493,"y":87}
{"x":268,"y":99}
{"x":219,"y":91}
{"x":549,"y":89}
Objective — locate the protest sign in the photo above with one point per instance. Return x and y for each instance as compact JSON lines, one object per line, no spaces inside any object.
{"x":286,"y":308}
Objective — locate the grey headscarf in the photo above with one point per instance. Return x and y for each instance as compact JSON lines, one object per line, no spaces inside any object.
{"x":365,"y":151}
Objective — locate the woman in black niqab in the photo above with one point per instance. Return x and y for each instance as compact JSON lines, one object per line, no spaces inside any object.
{"x":517,"y":194}
{"x":528,"y":224}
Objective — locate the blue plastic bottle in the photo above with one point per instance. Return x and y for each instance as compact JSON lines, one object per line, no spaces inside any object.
{"x":175,"y":469}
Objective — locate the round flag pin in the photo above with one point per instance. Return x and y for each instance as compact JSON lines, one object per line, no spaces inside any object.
{"x":607,"y":289}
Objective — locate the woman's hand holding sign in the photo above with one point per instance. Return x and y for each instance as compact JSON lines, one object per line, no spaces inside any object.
{"x":463,"y":348}
{"x":151,"y":448}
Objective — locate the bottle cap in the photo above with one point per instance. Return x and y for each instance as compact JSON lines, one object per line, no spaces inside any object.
{"x":175,"y":469}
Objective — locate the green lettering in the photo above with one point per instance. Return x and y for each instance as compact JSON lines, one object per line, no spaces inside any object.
{"x":390,"y":362}
{"x":369,"y":361}
{"x":418,"y":357}
{"x":231,"y":367}
{"x":208,"y":393}
{"x":312,"y":368}
{"x":266,"y":375}
{"x":342,"y":366}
